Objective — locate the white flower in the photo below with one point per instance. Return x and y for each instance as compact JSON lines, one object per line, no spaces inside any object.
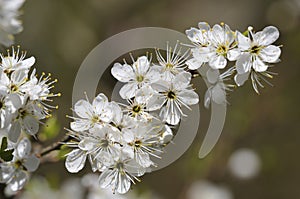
{"x":201,"y":50}
{"x":9,"y":24}
{"x":172,"y":65}
{"x":171,"y":96}
{"x":99,"y":112}
{"x":39,"y":88}
{"x":15,"y":61}
{"x":11,"y":83}
{"x":15,"y":173}
{"x":257,"y":52}
{"x":141,"y":141}
{"x":222,"y":46}
{"x":217,"y":91}
{"x":8,"y":104}
{"x":24,"y":120}
{"x":120,"y":174}
{"x":136,"y":76}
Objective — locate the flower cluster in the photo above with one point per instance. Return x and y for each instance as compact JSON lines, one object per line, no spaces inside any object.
{"x":9,"y":24}
{"x":120,"y":140}
{"x":24,"y":99}
{"x":15,"y":173}
{"x":23,"y":96}
{"x":253,"y":53}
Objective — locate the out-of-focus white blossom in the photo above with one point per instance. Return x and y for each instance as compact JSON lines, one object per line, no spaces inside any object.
{"x":244,"y":164}
{"x":9,"y":23}
{"x":15,"y":173}
{"x":207,"y":190}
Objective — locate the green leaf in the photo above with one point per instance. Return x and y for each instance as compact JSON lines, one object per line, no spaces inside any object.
{"x":50,"y":130}
{"x":3,"y":143}
{"x":7,"y":155}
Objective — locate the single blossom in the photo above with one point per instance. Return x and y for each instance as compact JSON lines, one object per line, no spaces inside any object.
{"x":169,"y":97}
{"x":16,"y":172}
{"x":135,"y":76}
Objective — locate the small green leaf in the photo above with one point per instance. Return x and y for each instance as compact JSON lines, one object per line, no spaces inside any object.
{"x":7,"y":155}
{"x":50,"y":130}
{"x":3,"y":143}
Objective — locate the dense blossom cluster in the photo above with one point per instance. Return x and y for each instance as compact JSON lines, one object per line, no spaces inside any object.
{"x":120,"y":140}
{"x":24,"y":99}
{"x":9,"y":23}
{"x":253,"y":53}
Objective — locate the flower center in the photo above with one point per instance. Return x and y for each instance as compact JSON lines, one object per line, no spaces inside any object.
{"x":255,"y":49}
{"x":119,"y":166}
{"x":169,"y":65}
{"x":137,"y":144}
{"x":171,"y":95}
{"x":136,"y":109}
{"x":222,"y":50}
{"x":104,"y":143}
{"x":95,"y":119}
{"x":139,"y":78}
{"x":1,"y":105}
{"x":14,"y":88}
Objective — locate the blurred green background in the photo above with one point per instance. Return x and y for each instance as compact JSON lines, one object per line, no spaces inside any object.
{"x":60,"y":34}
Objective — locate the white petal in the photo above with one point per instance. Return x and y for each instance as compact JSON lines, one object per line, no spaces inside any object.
{"x":212,"y":75}
{"x":31,"y":163}
{"x":107,"y":178}
{"x":30,"y":125}
{"x":143,"y":159}
{"x":83,"y":109}
{"x":170,"y":113}
{"x":240,"y":79}
{"x":26,"y":63}
{"x":244,"y":42}
{"x":123,"y":73}
{"x":14,"y":132}
{"x":204,"y":26}
{"x":194,"y":63}
{"x":75,"y":161}
{"x":123,"y":184}
{"x":207,"y":98}
{"x":217,"y":62}
{"x":80,"y":125}
{"x":160,"y":86}
{"x":87,"y":144}
{"x":155,"y":102}
{"x":243,"y":64}
{"x":18,"y":181}
{"x":15,"y":100}
{"x":259,"y":65}
{"x":144,"y":94}
{"x":141,"y":66}
{"x":6,"y":172}
{"x":233,"y":54}
{"x":100,"y":102}
{"x":182,"y":80}
{"x":19,"y":76}
{"x":23,"y":148}
{"x":128,"y":90}
{"x":128,"y":135}
{"x":217,"y":34}
{"x":218,"y":94}
{"x":202,"y":54}
{"x":117,"y":113}
{"x":268,"y":35}
{"x":189,"y":97}
{"x":270,"y":54}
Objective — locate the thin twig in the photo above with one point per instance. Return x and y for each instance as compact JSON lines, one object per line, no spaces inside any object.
{"x":55,"y":146}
